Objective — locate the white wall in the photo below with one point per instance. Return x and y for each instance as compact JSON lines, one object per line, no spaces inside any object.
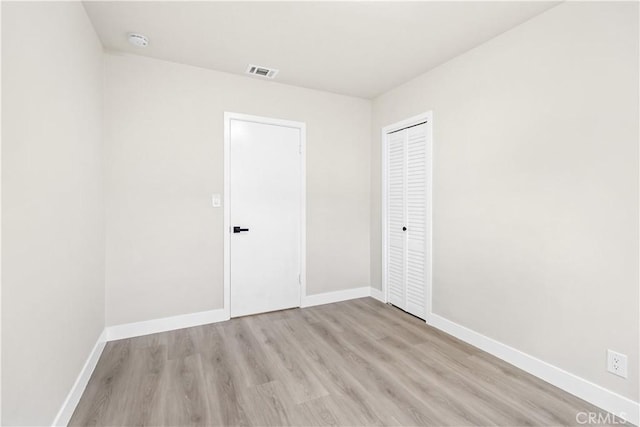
{"x":535,"y":208}
{"x":164,"y":159}
{"x":52,"y":205}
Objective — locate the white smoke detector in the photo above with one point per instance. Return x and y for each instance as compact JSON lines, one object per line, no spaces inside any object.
{"x":138,"y":40}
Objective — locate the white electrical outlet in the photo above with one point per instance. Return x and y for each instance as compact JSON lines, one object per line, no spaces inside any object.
{"x":617,"y":363}
{"x":215,"y":200}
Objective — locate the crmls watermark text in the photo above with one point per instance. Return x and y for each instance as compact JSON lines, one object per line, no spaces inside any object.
{"x":600,"y":418}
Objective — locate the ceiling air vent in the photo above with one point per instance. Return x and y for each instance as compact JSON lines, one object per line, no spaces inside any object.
{"x":257,"y":70}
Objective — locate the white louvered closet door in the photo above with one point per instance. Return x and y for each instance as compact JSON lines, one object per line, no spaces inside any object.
{"x":396,"y":217}
{"x":407,"y":219}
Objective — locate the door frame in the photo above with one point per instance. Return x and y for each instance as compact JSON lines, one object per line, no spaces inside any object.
{"x":228,"y":116}
{"x":411,"y":121}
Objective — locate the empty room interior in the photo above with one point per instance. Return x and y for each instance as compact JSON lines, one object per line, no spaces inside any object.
{"x":320,"y":213}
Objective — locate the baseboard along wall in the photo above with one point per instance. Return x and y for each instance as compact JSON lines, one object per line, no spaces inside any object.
{"x":599,"y":396}
{"x":66,"y":411}
{"x":147,"y":327}
{"x":335,"y":296}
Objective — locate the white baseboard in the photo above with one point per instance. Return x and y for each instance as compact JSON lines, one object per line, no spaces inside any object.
{"x":130,"y":330}
{"x":592,"y":393}
{"x":586,"y":390}
{"x":377,"y":294}
{"x":336,"y":296}
{"x":137,"y":329}
{"x":66,"y":411}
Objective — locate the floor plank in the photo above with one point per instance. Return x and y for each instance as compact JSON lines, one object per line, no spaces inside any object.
{"x":353,"y":363}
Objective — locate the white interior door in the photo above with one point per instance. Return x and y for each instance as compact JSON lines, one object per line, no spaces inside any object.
{"x":265,"y":217}
{"x":407,"y":218}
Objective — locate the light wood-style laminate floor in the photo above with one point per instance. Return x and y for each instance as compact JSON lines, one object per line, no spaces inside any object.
{"x":354,"y":363}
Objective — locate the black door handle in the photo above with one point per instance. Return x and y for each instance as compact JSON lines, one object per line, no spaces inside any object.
{"x":237,"y":229}
{"x":404,"y":228}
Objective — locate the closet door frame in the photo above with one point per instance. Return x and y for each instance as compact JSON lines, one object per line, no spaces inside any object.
{"x":412,"y":121}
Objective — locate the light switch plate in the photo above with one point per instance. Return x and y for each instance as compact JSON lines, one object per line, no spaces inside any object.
{"x":216,"y":200}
